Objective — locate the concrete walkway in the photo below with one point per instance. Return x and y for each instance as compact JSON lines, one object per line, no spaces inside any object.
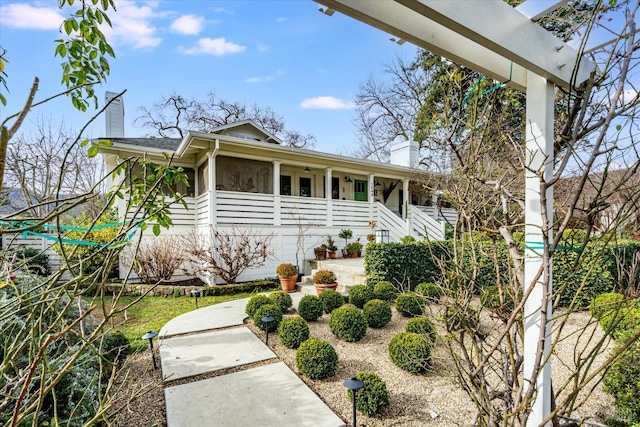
{"x":214,"y":338}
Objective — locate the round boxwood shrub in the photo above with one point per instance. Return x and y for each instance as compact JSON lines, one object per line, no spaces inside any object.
{"x":359,"y":295}
{"x":422,"y":326}
{"x":385,"y":291}
{"x":377,"y":313}
{"x":310,"y":308}
{"x":331,"y":300}
{"x":348,"y":323}
{"x":621,"y":321}
{"x":316,"y":359}
{"x":293,"y":331}
{"x":622,"y":381}
{"x":429,"y":291}
{"x":268,"y":310}
{"x":411,"y":352}
{"x":409,"y":304}
{"x":604,"y":303}
{"x":457,"y":317}
{"x":373,"y":396}
{"x":490,"y":298}
{"x":255,"y":302}
{"x":282,"y":300}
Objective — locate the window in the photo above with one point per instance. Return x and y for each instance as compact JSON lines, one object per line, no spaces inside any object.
{"x":285,"y":185}
{"x":335,"y":188}
{"x":305,"y":187}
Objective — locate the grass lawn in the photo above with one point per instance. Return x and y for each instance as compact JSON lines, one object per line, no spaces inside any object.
{"x":151,"y":313}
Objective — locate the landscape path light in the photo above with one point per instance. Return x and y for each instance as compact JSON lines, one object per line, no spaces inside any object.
{"x":267,"y":320}
{"x":353,"y":384}
{"x":196,"y":293}
{"x":150,"y":336}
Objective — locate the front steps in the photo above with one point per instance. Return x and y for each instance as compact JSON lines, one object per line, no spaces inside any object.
{"x":349,"y":271}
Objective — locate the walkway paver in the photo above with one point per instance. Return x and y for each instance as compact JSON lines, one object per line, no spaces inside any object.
{"x":213,"y":338}
{"x":191,"y":355}
{"x":267,"y":396}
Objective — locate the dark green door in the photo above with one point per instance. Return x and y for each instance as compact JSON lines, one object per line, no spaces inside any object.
{"x":360,"y":190}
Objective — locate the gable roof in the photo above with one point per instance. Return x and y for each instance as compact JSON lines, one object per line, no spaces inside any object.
{"x":248,"y":126}
{"x":163,"y":144}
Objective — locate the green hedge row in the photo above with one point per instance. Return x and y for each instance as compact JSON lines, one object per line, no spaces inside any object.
{"x":407,"y":265}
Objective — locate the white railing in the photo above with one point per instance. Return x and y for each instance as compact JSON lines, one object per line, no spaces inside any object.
{"x":349,"y":213}
{"x":387,"y":220}
{"x":244,"y":208}
{"x":202,"y":210}
{"x":447,"y":214}
{"x":181,"y":216}
{"x":425,"y":226}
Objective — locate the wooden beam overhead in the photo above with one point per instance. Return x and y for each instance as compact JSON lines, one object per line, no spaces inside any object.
{"x":488,"y":36}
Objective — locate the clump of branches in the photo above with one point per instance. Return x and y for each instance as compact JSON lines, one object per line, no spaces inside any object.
{"x":227,"y":253}
{"x":157,"y":260}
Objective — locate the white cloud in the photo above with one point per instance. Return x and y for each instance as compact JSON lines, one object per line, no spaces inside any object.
{"x":326,"y":103}
{"x":188,"y":24}
{"x":132,"y":25}
{"x":19,"y":15}
{"x":268,"y":78}
{"x":217,"y":47}
{"x":263,"y":47}
{"x":281,"y":19}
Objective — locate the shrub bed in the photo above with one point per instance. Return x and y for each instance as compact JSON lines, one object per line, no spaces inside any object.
{"x":359,"y":295}
{"x":385,"y":291}
{"x":377,"y":313}
{"x":622,"y":381}
{"x":409,"y":304}
{"x":490,"y":298}
{"x":293,"y":331}
{"x":255,"y":302}
{"x":411,"y":352}
{"x":348,"y":323}
{"x":605,"y":303}
{"x":282,"y":300}
{"x":373,"y":396}
{"x":317,"y":359}
{"x":310,"y":308}
{"x":331,"y":300}
{"x":268,"y":310}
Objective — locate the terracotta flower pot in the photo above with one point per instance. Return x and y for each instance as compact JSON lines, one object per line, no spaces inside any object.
{"x":288,"y":284}
{"x":320,"y":287}
{"x":332,"y":254}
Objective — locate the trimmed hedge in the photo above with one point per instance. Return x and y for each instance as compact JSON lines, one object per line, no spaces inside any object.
{"x":409,"y":304}
{"x":411,"y":352}
{"x":316,"y":359}
{"x":359,"y":295}
{"x":331,"y":300}
{"x":377,"y":313}
{"x":422,"y":326}
{"x":385,"y":291}
{"x":293,"y":331}
{"x":255,"y":302}
{"x":268,"y":310}
{"x":310,"y":308}
{"x":373,"y":396}
{"x":414,"y":262}
{"x":348,"y":323}
{"x":282,"y":300}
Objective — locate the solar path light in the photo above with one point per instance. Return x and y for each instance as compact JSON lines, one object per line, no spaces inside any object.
{"x":196,"y":293}
{"x":267,"y":320}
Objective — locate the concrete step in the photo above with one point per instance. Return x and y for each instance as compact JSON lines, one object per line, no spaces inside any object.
{"x":309,"y":289}
{"x":349,"y":272}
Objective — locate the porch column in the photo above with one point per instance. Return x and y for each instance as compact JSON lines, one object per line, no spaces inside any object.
{"x":372,"y":182}
{"x":538,"y":223}
{"x":405,"y":205}
{"x":329,"y":195}
{"x":277,"y":200}
{"x":196,"y":192}
{"x":213,"y":205}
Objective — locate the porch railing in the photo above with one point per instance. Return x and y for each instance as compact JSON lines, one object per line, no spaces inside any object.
{"x":425,"y":226}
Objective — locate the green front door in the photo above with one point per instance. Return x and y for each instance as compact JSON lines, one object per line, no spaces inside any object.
{"x":359,"y":190}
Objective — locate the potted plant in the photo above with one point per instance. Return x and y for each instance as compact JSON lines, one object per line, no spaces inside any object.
{"x":331,"y":247}
{"x":371,"y":236}
{"x":324,"y":279}
{"x":345,"y":234}
{"x":354,"y":249}
{"x":321,"y":252}
{"x":288,"y":275}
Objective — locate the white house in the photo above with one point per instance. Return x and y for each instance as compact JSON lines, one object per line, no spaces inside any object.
{"x":240,"y":175}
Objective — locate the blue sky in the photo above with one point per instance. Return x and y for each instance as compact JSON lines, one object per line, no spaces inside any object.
{"x":287,"y":55}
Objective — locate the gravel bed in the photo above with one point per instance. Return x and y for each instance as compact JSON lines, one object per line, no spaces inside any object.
{"x":432,"y":399}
